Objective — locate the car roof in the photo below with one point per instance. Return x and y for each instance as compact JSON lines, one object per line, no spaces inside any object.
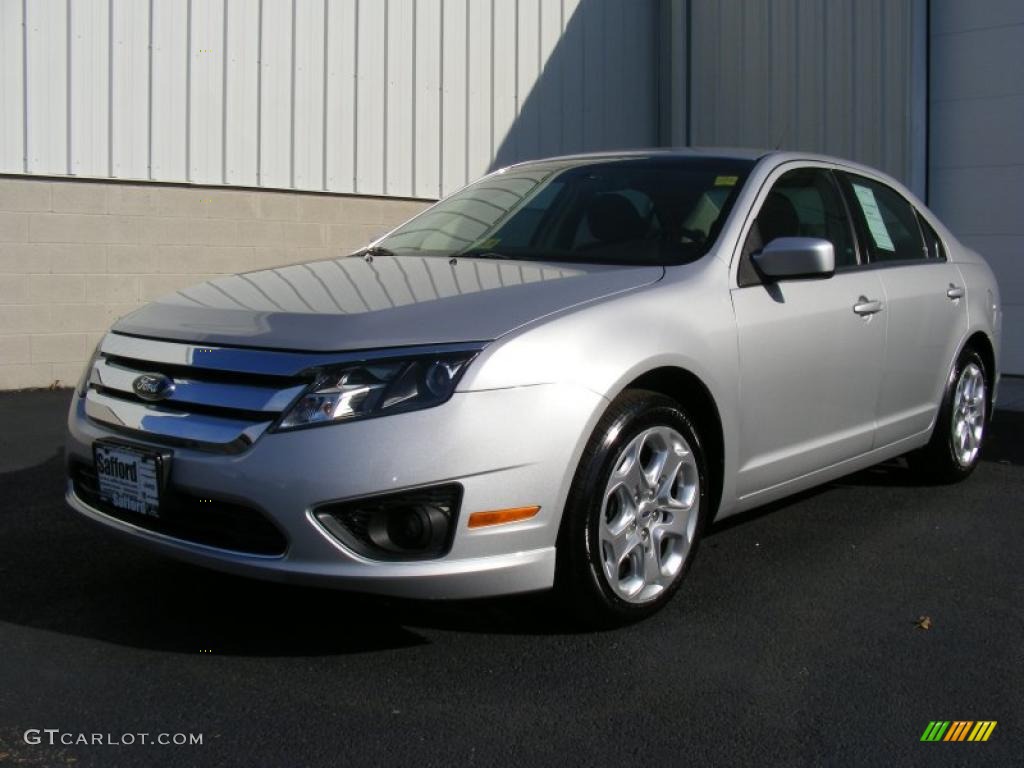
{"x":776,"y":156}
{"x":765,"y":158}
{"x":724,"y":153}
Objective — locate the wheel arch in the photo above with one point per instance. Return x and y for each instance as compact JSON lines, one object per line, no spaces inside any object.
{"x":687,"y":389}
{"x":982,"y":344}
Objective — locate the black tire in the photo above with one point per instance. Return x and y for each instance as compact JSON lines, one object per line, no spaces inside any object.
{"x":580,"y":581}
{"x":937,"y":462}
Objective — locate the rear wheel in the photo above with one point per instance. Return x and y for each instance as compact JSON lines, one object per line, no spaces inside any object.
{"x":955,"y":446}
{"x":635,"y":511}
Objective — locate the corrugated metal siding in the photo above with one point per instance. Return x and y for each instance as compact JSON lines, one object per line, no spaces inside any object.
{"x":392,"y":97}
{"x":834,"y":76}
{"x":977,"y":156}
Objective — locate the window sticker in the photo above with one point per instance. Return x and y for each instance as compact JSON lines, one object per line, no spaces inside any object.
{"x":873,"y":216}
{"x":726,"y":181}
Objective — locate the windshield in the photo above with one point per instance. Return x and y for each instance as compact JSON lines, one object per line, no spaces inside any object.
{"x":636,"y":210}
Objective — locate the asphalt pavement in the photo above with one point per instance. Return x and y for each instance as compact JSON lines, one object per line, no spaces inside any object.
{"x":796,"y":640}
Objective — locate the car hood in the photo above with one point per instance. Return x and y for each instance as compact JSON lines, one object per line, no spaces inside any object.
{"x":354,"y":303}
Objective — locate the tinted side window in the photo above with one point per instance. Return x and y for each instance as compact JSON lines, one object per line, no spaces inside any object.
{"x":931,"y":240}
{"x":887,"y":219}
{"x":802,"y":203}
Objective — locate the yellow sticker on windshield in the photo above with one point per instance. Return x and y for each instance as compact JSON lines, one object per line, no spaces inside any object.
{"x":726,"y":181}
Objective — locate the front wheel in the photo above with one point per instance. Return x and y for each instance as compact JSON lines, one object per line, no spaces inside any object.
{"x":635,"y":511}
{"x":955,"y":446}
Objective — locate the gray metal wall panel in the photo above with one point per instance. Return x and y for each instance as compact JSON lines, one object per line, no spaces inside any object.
{"x":385,"y":97}
{"x":976,"y":173}
{"x":832,"y":76}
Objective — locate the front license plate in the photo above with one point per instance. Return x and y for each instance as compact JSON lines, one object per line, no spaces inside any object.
{"x":129,"y":478}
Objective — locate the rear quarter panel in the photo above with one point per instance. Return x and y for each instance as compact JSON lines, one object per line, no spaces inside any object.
{"x":984,"y":307}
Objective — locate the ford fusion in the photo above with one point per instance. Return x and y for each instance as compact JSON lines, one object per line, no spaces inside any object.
{"x":557,"y":377}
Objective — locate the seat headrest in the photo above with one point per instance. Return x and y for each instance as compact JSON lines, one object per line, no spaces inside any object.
{"x":778,"y":218}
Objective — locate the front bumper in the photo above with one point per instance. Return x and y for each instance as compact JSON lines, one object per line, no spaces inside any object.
{"x":507,"y":448}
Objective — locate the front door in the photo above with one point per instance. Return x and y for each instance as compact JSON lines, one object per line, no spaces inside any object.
{"x":810,"y":349}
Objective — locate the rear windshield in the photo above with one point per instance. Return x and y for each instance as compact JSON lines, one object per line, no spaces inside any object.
{"x":615,"y":211}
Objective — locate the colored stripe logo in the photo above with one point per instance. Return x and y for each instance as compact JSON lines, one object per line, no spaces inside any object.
{"x":958,"y":730}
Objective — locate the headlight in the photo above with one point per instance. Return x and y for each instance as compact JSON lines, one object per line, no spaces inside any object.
{"x":83,"y":383}
{"x":377,"y":388}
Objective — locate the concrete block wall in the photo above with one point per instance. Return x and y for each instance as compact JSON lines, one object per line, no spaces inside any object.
{"x":75,"y":256}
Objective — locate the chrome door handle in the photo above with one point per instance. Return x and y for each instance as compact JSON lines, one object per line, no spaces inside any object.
{"x":866,"y":306}
{"x":955,"y":292}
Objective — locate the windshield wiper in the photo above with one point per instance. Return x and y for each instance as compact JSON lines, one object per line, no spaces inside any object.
{"x":374,"y":250}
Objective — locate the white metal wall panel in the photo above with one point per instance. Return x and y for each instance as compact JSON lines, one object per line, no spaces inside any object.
{"x":241,"y":99}
{"x":551,"y":25}
{"x":504,"y":97}
{"x":46,"y":102}
{"x":129,"y":89}
{"x":394,"y":97}
{"x":341,"y":95}
{"x":527,"y":71}
{"x":206,"y":91}
{"x":371,"y":95}
{"x":308,"y":114}
{"x":275,"y":167}
{"x":476,"y":112}
{"x":90,"y":87}
{"x":169,"y":98}
{"x":12,"y":88}
{"x":400,"y":103}
{"x":427,"y":71}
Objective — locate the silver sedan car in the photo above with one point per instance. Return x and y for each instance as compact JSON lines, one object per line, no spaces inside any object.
{"x":557,"y":377}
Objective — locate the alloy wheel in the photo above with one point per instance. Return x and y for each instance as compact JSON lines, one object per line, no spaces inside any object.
{"x":968,"y":414}
{"x":649,"y":514}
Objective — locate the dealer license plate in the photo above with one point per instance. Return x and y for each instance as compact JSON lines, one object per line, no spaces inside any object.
{"x":129,"y":478}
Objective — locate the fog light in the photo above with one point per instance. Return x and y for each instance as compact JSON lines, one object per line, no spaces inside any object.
{"x":417,"y":524}
{"x":421,"y":528}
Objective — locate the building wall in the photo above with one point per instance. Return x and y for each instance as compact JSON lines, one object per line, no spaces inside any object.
{"x":976,"y":156}
{"x":411,"y":98}
{"x":394,"y":99}
{"x":74,"y":255}
{"x":843,"y":77}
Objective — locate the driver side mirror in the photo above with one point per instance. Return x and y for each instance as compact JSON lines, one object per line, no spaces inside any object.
{"x":796,"y":257}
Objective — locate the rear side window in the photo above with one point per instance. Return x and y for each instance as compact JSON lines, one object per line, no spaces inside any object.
{"x":932,"y":242}
{"x":889,"y":222}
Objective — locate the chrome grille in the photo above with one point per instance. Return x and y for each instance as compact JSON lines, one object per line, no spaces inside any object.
{"x":223,"y":398}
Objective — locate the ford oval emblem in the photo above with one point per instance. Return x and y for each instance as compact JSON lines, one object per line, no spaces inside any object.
{"x":153,"y":386}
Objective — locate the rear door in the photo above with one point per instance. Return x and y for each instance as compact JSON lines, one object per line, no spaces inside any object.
{"x":925,"y":303}
{"x":809,"y":361}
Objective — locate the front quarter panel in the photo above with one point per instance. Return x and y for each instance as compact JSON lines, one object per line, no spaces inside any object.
{"x":684,"y":321}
